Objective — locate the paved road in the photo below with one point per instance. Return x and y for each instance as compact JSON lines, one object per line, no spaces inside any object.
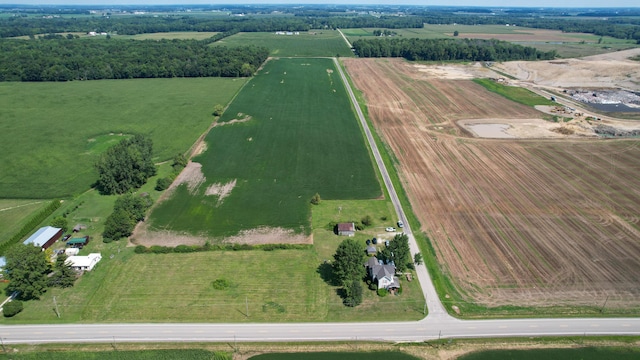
{"x":427,"y":329}
{"x":437,"y":325}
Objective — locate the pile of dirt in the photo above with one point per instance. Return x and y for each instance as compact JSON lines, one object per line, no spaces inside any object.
{"x":605,"y":97}
{"x":606,"y":130}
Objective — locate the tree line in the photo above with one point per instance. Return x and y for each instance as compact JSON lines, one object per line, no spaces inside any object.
{"x":621,"y":27}
{"x":63,"y":59}
{"x":448,"y":49}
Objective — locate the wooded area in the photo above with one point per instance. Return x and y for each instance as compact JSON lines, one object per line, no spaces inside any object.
{"x":63,"y":59}
{"x":448,"y":49}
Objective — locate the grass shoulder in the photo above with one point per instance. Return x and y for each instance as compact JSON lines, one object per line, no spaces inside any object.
{"x":514,"y":93}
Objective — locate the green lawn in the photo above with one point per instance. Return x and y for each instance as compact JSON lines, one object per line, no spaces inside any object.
{"x":275,"y":286}
{"x":302,"y":137}
{"x":52,"y":133}
{"x":190,"y":354}
{"x":14,"y":214}
{"x":315,"y":43}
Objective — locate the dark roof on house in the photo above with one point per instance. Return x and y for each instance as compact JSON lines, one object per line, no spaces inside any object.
{"x":346,"y":227}
{"x":371,"y":249}
{"x":378,"y":270}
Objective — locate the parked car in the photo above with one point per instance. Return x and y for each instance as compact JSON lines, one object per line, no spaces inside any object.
{"x":390,"y":229}
{"x":400,"y":224}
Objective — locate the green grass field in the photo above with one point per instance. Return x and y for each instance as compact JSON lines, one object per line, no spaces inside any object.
{"x":315,"y":43}
{"x":302,"y":137}
{"x":275,"y":286}
{"x":52,"y":133}
{"x":582,"y":353}
{"x":180,"y":35}
{"x":14,"y":214}
{"x":183,"y":354}
{"x":515,"y":93}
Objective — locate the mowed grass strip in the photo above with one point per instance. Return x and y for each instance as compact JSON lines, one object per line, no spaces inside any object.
{"x":312,"y":43}
{"x":301,"y":137}
{"x":52,"y":133}
{"x":515,"y":93}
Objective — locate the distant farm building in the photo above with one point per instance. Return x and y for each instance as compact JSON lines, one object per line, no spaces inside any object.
{"x":347,"y":229}
{"x":44,"y":237}
{"x":84,"y":263}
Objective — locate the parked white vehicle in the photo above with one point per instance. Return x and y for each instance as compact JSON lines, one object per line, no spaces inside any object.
{"x":390,"y":229}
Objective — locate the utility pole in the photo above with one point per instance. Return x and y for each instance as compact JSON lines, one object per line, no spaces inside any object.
{"x":3,"y":348}
{"x":56,"y":305}
{"x":605,"y":303}
{"x":246,"y":304}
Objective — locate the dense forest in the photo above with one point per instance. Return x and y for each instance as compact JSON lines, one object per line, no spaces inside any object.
{"x":448,"y":49}
{"x":56,"y":58}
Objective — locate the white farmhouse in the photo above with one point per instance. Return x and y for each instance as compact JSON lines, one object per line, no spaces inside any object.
{"x":84,"y":263}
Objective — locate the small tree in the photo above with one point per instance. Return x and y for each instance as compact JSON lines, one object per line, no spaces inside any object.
{"x":218,"y":110}
{"x":60,"y":222}
{"x":353,"y":291}
{"x":456,"y":33}
{"x":118,"y":225}
{"x":315,"y":199}
{"x":367,"y":220}
{"x":163,"y":183}
{"x":417,"y":259}
{"x":12,"y":308}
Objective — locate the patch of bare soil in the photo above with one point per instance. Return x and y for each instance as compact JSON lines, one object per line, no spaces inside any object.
{"x":526,"y":222}
{"x":612,"y":70}
{"x":147,"y":237}
{"x":191,"y":175}
{"x":268,"y":235}
{"x":220,"y":190}
{"x":240,"y":119}
{"x":528,"y":35}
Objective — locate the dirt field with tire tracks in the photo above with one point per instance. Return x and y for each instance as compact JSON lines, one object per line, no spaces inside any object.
{"x":522,"y":222}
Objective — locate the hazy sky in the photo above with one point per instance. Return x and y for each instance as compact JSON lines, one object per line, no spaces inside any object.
{"x":494,"y":3}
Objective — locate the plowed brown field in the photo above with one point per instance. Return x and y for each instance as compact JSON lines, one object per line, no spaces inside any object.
{"x":522,"y":222}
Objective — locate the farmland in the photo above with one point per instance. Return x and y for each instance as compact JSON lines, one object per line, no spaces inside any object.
{"x":525,"y":223}
{"x":15,"y":213}
{"x":315,"y":43}
{"x":566,"y":44}
{"x":283,"y":139}
{"x":51,"y":133}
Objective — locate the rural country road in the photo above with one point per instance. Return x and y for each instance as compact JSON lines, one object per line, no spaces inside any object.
{"x":437,"y":325}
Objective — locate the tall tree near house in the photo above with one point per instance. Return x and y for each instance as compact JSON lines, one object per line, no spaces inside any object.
{"x":398,"y":251}
{"x":349,"y":262}
{"x":26,"y":270}
{"x":63,"y":275}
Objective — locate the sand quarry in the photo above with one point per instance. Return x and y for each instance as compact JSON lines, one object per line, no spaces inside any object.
{"x":526,"y":215}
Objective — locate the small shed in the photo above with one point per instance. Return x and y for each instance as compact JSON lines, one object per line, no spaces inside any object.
{"x":79,"y":227}
{"x":347,"y":229}
{"x":371,"y":250}
{"x":78,"y":242}
{"x":71,"y":251}
{"x":44,"y":237}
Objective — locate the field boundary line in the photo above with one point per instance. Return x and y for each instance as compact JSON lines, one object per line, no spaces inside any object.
{"x":19,"y":206}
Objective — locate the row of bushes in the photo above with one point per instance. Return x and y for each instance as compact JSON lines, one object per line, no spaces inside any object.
{"x":157,"y":249}
{"x":179,"y":163}
{"x":29,"y":226}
